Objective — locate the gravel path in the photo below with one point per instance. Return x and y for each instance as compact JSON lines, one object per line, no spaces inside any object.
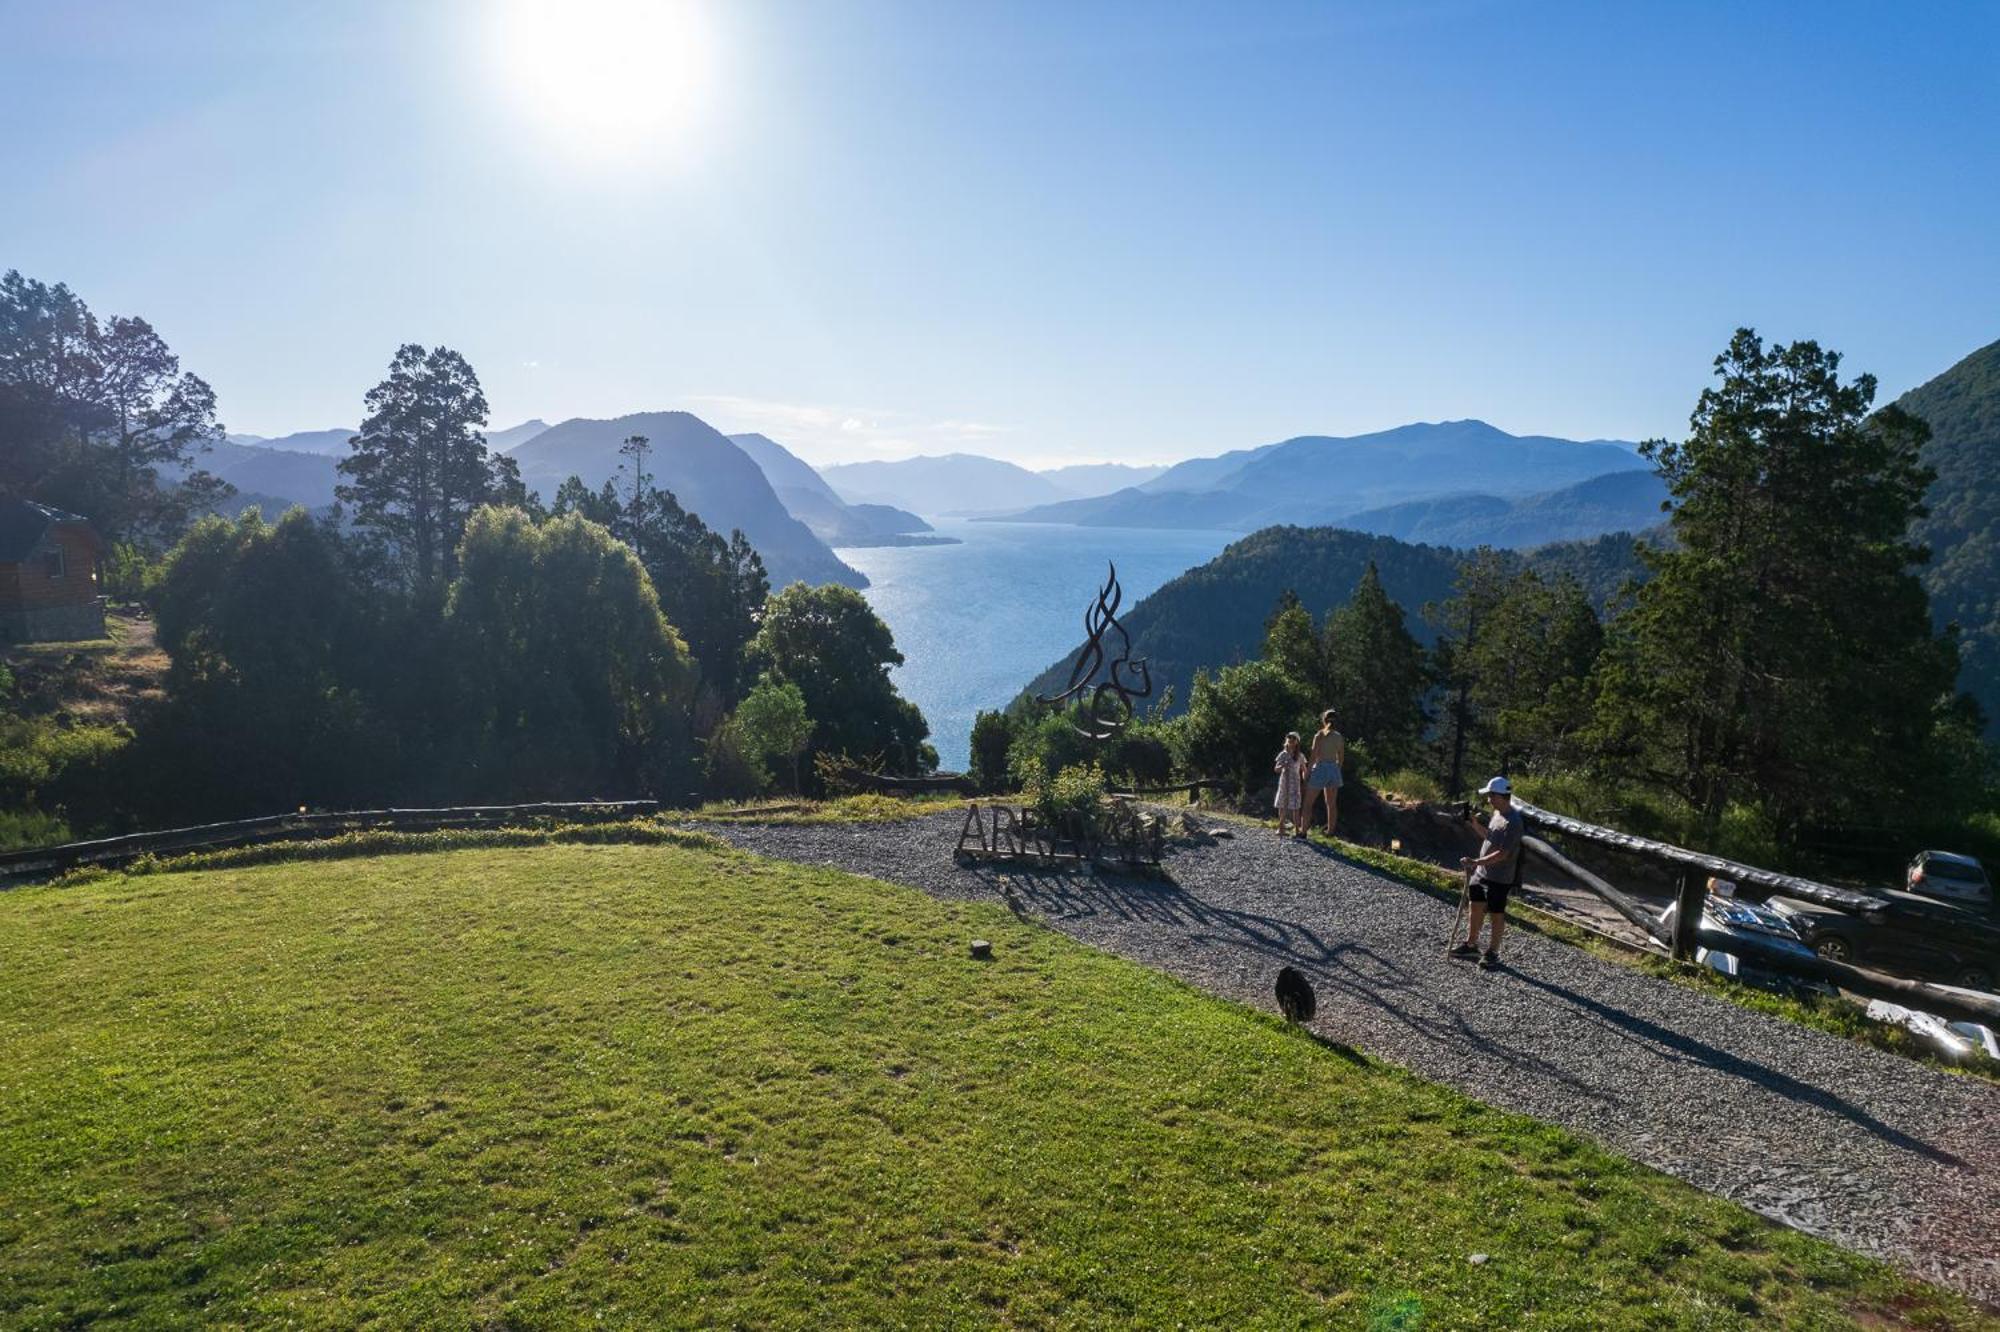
{"x":1874,"y":1152}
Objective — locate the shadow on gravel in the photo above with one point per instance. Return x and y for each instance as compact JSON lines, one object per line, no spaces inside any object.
{"x":1075,"y":894}
{"x":1369,"y":981}
{"x":1631,"y":1026}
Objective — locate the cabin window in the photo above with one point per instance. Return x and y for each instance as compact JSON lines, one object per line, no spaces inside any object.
{"x":56,"y":564}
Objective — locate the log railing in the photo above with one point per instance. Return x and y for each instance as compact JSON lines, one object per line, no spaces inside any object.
{"x":1689,"y":932}
{"x":293,"y":826}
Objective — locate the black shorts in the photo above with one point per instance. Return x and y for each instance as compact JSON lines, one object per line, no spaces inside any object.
{"x":1492,"y":896}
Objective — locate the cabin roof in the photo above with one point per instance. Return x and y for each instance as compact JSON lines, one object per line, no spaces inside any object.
{"x":24,"y":523}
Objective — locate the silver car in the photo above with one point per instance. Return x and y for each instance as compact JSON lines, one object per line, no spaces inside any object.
{"x":1948,"y":875}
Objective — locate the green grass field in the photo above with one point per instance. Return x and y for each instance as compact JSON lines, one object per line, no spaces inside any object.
{"x":670,"y":1086}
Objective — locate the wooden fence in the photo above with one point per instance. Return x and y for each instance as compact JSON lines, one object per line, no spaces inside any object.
{"x":1689,"y":932}
{"x":296,"y":826}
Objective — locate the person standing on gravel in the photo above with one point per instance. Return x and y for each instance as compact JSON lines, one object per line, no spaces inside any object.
{"x":1329,"y":752}
{"x":1495,"y":871}
{"x":1291,"y":769}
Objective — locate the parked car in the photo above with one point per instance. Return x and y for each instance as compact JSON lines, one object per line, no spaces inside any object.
{"x":1941,"y":926}
{"x":1950,"y":877}
{"x":1732,"y":915}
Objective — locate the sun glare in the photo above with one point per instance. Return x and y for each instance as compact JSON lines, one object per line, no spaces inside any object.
{"x":608,"y":79}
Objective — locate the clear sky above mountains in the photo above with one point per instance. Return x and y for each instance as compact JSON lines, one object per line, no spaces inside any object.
{"x":1037,"y":231}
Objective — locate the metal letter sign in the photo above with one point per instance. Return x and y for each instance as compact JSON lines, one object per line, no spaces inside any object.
{"x":1100,"y":710}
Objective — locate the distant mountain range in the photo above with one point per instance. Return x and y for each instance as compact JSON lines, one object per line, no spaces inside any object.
{"x":956,"y":483}
{"x":813,"y":502}
{"x":1084,"y":480}
{"x":959,"y":484}
{"x":304,"y":441}
{"x":1615,"y":502}
{"x":709,"y":474}
{"x":279,"y":478}
{"x":1317,"y":479}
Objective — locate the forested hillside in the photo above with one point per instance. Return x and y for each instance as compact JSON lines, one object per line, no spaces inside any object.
{"x":1962,"y":407}
{"x":1215,"y":615}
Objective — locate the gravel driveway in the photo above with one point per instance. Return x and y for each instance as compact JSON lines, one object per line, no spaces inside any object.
{"x":1874,"y":1152}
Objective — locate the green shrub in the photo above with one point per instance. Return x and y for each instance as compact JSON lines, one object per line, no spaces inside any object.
{"x":993,"y":735}
{"x":1044,"y":745}
{"x":1412,"y":785}
{"x":127,"y":573}
{"x":1069,"y":802}
{"x":53,"y":776}
{"x":732,"y":770}
{"x":23,"y":828}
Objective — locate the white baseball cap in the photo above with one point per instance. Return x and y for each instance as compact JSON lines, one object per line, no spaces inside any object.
{"x":1498,"y":786}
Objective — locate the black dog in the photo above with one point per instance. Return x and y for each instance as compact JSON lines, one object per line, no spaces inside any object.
{"x":1295,"y":996}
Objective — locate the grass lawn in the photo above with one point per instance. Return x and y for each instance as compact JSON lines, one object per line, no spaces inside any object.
{"x":666,"y":1085}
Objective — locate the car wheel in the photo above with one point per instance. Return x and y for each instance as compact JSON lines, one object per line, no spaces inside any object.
{"x":1973,"y":978}
{"x":1834,"y":948}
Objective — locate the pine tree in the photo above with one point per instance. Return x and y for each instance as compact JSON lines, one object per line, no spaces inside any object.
{"x":1295,"y":648}
{"x":1462,"y":622}
{"x":420,"y":465}
{"x":1782,"y":653}
{"x":1376,"y":673}
{"x":1530,"y":675}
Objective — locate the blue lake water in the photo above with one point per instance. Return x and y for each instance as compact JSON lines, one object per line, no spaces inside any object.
{"x":977,"y":621}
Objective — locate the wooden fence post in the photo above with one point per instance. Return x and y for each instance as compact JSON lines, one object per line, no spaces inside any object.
{"x":1693,"y":897}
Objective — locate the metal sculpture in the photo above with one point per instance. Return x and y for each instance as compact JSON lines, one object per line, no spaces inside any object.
{"x":1100,"y":708}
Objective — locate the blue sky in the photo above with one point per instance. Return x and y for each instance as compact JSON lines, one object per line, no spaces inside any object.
{"x":1040,"y":231}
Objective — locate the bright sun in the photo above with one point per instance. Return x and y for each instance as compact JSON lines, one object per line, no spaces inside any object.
{"x":606,"y":78}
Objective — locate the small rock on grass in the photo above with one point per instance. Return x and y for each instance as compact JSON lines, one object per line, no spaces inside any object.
{"x":982,"y":950}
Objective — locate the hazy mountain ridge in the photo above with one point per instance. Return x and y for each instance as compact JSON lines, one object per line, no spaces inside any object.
{"x":707,"y":473}
{"x":279,"y":478}
{"x":952,"y":483}
{"x":330,"y":442}
{"x":1313,"y":479}
{"x":1084,"y":480}
{"x":513,"y":437}
{"x":1615,"y":502}
{"x":807,"y":496}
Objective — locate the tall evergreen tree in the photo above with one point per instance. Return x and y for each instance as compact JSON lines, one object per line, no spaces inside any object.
{"x":1529,"y":674}
{"x":420,"y":465}
{"x":1782,"y":653}
{"x":1376,"y":675}
{"x":1462,"y":622}
{"x":1294,"y":646}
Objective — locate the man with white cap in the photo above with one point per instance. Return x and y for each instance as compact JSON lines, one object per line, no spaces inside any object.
{"x":1495,"y":872}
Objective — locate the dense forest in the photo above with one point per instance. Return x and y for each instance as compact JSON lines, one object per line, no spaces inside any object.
{"x":440,"y":637}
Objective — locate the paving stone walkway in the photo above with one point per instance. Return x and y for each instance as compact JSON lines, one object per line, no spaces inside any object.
{"x":1877,"y":1153}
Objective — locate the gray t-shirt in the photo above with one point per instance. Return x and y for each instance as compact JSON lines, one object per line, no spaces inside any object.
{"x":1503,"y":833}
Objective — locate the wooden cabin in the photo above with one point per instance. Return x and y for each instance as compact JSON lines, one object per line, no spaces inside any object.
{"x":49,"y":588}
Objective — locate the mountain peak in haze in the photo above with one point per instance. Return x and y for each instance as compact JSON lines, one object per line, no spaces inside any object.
{"x":709,"y":474}
{"x":813,"y":502}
